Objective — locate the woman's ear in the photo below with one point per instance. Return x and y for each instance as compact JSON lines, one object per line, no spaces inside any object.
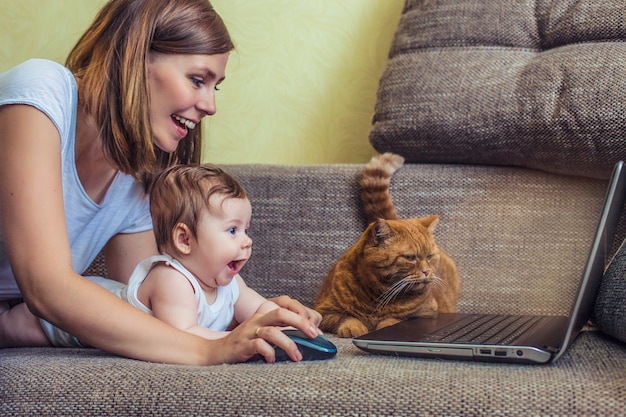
{"x":181,"y":236}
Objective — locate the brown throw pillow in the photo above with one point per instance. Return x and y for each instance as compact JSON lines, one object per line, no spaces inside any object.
{"x":538,"y":84}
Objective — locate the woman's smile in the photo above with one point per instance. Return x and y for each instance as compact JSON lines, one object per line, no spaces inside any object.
{"x":182,"y":125}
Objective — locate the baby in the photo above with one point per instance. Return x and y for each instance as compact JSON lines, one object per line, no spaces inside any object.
{"x":201,"y":217}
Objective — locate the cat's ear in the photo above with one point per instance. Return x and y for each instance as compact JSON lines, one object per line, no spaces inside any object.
{"x":381,"y":231}
{"x":430,"y":222}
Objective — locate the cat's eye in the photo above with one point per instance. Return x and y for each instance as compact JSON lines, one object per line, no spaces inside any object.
{"x":410,"y":258}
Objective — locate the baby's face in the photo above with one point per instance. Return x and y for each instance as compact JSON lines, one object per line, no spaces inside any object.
{"x":222,"y":245}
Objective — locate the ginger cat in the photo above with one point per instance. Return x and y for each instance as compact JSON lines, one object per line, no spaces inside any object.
{"x":394,"y":272}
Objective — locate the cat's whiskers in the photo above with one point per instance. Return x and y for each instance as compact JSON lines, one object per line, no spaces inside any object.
{"x":396,"y":289}
{"x":389,"y":295}
{"x":443,"y":285}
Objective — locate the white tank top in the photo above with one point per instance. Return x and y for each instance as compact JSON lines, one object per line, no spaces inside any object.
{"x":216,"y":316}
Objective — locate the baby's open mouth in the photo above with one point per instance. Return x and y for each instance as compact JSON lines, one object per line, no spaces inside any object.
{"x":184,"y":122}
{"x":234,"y":266}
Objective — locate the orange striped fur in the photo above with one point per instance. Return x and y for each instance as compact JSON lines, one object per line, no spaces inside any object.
{"x":395,"y":270}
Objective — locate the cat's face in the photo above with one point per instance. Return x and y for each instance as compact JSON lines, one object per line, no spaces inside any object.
{"x":403,"y":253}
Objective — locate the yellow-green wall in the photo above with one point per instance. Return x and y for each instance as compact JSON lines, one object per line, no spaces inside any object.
{"x":301,"y":85}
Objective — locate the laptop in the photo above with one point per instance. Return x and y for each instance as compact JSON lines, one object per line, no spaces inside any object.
{"x":508,"y":338}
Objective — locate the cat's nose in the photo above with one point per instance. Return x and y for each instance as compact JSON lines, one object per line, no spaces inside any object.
{"x":426,"y":272}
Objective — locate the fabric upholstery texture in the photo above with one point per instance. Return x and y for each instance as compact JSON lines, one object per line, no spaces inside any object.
{"x":68,"y":382}
{"x":538,"y":83}
{"x":520,"y":238}
{"x":610,"y":308}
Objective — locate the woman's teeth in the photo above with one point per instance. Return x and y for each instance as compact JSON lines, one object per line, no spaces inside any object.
{"x":190,"y":125}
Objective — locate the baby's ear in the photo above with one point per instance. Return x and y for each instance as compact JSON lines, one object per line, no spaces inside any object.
{"x":181,"y":237}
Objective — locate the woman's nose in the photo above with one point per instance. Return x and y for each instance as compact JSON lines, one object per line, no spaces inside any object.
{"x":206,"y":104}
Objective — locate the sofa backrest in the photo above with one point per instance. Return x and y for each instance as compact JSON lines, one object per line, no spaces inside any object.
{"x":520,"y":237}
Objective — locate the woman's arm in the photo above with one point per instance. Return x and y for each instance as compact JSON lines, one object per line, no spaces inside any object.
{"x":35,"y":235}
{"x":36,"y":240}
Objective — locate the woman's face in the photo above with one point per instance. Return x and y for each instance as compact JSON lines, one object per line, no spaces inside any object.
{"x":182,"y":92}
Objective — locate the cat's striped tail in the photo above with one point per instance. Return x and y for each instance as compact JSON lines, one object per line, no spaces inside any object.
{"x":375,"y":183}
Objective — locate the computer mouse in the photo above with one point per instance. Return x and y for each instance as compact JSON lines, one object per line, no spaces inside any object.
{"x":319,"y":348}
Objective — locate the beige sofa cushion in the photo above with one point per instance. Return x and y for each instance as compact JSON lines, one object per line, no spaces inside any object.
{"x":538,"y":84}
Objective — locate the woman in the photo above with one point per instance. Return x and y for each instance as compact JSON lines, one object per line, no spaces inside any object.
{"x":80,"y":147}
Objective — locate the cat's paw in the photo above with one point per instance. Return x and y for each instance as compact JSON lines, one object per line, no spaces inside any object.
{"x":429,"y":309}
{"x":351,"y":328}
{"x":387,"y":322}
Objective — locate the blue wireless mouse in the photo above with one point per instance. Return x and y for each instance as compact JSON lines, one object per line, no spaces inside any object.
{"x":316,"y":349}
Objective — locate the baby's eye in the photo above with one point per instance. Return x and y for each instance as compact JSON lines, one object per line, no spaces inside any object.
{"x":232,"y":230}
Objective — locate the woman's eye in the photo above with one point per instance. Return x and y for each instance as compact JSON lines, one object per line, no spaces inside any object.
{"x":197,"y":81}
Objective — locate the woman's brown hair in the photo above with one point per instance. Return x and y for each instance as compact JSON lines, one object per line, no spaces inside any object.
{"x":110,"y":62}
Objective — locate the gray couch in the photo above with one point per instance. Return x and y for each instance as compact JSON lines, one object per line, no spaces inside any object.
{"x":520,"y":238}
{"x":510,"y":115}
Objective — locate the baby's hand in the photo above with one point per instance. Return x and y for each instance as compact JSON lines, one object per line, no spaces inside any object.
{"x":291,"y":304}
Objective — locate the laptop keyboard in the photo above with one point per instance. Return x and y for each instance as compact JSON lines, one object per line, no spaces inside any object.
{"x":485,"y":329}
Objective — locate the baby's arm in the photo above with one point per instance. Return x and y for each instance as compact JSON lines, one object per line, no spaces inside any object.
{"x":253,"y":303}
{"x":250,"y":302}
{"x":171,"y":298}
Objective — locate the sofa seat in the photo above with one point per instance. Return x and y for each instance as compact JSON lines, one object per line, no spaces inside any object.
{"x":589,"y":380}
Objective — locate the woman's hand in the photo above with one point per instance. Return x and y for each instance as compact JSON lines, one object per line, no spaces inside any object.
{"x":294,"y":305}
{"x":256,"y":336}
